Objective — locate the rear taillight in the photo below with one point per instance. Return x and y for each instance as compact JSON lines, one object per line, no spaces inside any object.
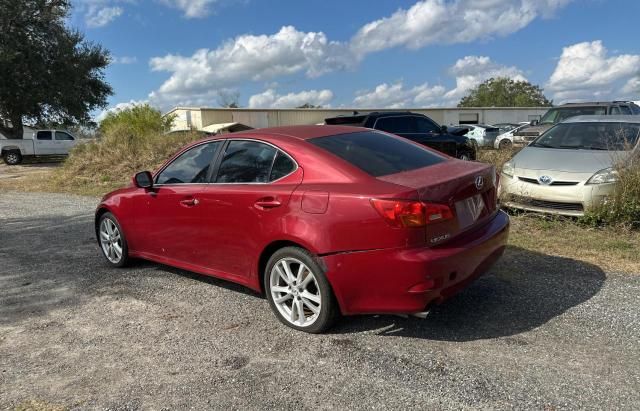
{"x":407,"y":213}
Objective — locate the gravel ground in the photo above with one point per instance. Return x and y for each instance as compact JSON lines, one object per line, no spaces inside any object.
{"x":537,"y":332}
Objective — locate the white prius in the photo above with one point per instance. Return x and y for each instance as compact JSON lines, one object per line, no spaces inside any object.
{"x":572,"y":166}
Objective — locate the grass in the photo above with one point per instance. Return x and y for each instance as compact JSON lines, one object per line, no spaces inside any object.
{"x":610,"y":248}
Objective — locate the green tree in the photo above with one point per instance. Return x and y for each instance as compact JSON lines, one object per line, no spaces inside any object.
{"x":140,"y":119}
{"x":505,"y":92}
{"x":308,"y":105}
{"x":48,"y":72}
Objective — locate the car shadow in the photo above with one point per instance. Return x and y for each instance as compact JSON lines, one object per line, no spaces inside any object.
{"x":51,"y":262}
{"x":523,"y":291}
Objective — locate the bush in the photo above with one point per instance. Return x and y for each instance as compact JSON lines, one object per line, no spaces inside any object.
{"x":139,"y":119}
{"x":109,"y":162}
{"x":623,"y":207}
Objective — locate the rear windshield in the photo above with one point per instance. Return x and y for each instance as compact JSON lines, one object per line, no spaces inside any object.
{"x":590,"y":136}
{"x":378,"y":154}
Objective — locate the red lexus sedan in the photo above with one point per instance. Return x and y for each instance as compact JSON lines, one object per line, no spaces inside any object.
{"x":325,"y":220}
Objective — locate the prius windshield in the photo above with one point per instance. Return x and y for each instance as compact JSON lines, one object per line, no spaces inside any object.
{"x":590,"y":136}
{"x":557,"y":115}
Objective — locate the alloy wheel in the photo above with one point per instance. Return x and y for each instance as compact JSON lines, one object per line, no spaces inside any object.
{"x":295,"y":292}
{"x":111,"y":241}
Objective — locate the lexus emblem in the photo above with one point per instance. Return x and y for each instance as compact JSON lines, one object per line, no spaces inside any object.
{"x":546,"y":180}
{"x":479,"y":182}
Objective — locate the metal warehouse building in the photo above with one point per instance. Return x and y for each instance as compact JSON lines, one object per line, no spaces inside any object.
{"x":198,"y":118}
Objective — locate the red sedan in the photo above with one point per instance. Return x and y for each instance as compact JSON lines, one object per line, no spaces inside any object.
{"x":325,"y":220}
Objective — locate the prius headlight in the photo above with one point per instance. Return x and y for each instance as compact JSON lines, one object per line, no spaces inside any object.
{"x":508,"y":168}
{"x":608,"y":175}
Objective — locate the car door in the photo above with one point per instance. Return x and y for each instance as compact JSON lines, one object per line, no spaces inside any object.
{"x":43,"y":143}
{"x":170,"y":215}
{"x":64,"y":142}
{"x":249,"y":197}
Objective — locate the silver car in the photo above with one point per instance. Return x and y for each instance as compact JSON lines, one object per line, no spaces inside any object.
{"x":572,"y":166}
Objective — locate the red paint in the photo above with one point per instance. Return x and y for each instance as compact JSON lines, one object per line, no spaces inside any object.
{"x":326,"y":207}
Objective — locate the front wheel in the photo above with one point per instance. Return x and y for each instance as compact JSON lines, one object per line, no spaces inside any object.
{"x":12,"y":158}
{"x":112,"y":241}
{"x":298,"y":291}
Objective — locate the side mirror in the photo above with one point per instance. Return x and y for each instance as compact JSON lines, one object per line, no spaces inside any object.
{"x":534,"y":123}
{"x":143,"y":179}
{"x":443,"y":129}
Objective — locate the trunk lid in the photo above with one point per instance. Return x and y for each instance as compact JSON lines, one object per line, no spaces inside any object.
{"x":468,"y":188}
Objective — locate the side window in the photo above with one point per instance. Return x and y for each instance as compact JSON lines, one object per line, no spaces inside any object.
{"x":635,"y":109}
{"x":44,"y":135}
{"x":282,"y":166}
{"x":191,"y":166}
{"x":625,"y":110}
{"x":396,"y":125}
{"x":424,"y":125}
{"x":246,"y":162}
{"x":61,"y":135}
{"x":615,"y":110}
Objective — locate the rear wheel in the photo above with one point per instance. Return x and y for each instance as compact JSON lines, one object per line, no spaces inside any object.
{"x":112,"y":241}
{"x":298,"y":291}
{"x":505,"y":144}
{"x":12,"y":158}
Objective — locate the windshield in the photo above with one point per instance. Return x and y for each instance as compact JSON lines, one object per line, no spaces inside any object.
{"x":590,"y":136}
{"x":557,"y":115}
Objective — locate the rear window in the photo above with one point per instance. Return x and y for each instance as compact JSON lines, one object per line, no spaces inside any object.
{"x":377,"y":154}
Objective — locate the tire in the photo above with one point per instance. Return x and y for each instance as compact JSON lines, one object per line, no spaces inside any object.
{"x":311,"y":293}
{"x":12,"y":158}
{"x":505,"y":144}
{"x":110,"y":239}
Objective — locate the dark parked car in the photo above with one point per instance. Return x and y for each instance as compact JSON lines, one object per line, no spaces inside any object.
{"x":415,"y":127}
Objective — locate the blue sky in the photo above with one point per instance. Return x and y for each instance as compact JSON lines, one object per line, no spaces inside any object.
{"x":360,"y":53}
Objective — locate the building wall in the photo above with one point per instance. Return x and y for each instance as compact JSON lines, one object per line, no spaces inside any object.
{"x":197,"y":118}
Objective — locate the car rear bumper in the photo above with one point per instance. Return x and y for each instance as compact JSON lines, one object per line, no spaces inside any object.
{"x":408,"y":280}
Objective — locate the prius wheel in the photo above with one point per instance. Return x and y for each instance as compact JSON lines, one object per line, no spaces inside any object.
{"x":298,"y":291}
{"x":112,"y":241}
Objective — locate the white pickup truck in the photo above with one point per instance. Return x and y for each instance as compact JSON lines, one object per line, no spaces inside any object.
{"x":36,"y":143}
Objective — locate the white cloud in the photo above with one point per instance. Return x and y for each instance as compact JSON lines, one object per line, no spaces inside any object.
{"x":192,"y":8}
{"x":585,"y":70}
{"x":119,"y":107}
{"x":124,"y":60}
{"x":101,"y":16}
{"x":460,"y":21}
{"x":632,"y":87}
{"x":397,"y":96}
{"x":247,"y":58}
{"x":271,"y":99}
{"x":290,"y":51}
{"x":468,"y":72}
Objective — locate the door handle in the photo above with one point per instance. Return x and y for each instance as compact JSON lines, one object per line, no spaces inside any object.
{"x":267,"y":202}
{"x":190,"y":202}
